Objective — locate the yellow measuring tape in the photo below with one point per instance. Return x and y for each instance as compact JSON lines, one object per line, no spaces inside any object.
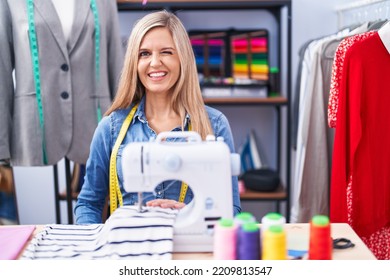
{"x":184,"y":186}
{"x":115,"y":192}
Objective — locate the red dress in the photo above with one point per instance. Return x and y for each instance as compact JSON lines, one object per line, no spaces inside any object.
{"x":337,"y":72}
{"x":361,"y":115}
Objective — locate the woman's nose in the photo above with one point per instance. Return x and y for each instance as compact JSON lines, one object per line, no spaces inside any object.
{"x":155,"y":60}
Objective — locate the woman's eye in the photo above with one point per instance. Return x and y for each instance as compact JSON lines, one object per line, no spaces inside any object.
{"x":144,"y":53}
{"x":167,"y":52}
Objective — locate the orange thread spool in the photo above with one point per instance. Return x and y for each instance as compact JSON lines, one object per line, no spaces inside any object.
{"x":320,"y":244}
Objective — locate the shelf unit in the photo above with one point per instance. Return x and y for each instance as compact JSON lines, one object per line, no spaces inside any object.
{"x":281,"y":10}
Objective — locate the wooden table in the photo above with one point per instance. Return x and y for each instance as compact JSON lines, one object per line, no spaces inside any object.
{"x":297,"y":239}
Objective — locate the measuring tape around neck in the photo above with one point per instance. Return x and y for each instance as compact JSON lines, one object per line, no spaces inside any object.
{"x":115,"y":192}
{"x":184,"y":186}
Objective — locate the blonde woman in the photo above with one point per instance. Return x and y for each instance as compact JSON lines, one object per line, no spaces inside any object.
{"x":160,"y":81}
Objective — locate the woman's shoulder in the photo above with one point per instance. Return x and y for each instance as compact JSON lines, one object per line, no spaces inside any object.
{"x":214,"y":114}
{"x":119,"y":114}
{"x":220,"y":125}
{"x":212,"y":111}
{"x":113,"y":120}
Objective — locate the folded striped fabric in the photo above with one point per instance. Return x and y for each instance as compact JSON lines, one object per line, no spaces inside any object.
{"x":127,"y":234}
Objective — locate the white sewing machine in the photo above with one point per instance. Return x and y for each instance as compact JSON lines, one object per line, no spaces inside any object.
{"x":206,"y":166}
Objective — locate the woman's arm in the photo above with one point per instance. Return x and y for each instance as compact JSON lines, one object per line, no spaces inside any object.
{"x":92,"y":197}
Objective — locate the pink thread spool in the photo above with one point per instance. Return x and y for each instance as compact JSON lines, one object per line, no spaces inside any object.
{"x":320,"y":244}
{"x":225,"y":240}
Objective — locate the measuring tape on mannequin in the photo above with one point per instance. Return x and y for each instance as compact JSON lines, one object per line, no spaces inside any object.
{"x":36,"y":69}
{"x":36,"y":72}
{"x":115,"y":192}
{"x":97,"y":53}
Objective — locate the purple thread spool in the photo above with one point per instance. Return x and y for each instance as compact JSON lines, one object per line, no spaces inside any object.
{"x":248,"y":243}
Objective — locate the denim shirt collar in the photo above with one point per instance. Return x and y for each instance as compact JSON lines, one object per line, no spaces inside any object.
{"x":140,"y":113}
{"x":141,"y":116}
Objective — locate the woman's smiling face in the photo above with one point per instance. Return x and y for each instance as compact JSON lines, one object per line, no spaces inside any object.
{"x":158,"y":64}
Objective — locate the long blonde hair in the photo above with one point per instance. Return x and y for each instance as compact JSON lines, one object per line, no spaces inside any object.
{"x":187,"y":96}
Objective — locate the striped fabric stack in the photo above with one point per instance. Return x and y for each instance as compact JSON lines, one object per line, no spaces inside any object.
{"x":127,"y":234}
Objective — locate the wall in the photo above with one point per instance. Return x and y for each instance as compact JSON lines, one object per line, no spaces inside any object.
{"x":311,"y":19}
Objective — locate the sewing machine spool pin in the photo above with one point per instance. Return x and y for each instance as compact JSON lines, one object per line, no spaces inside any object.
{"x":140,"y":197}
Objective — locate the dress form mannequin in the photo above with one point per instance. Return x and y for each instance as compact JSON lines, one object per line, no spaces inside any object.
{"x":65,"y":11}
{"x":66,"y":44}
{"x":76,"y":84}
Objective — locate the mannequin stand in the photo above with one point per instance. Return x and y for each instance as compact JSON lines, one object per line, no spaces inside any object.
{"x":69,"y":198}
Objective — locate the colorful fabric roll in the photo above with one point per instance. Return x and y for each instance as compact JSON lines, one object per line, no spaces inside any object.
{"x":250,"y":57}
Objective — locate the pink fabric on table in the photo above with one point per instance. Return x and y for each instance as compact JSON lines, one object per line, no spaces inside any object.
{"x":13,"y":240}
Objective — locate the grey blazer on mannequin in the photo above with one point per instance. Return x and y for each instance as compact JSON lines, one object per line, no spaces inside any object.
{"x":69,"y":90}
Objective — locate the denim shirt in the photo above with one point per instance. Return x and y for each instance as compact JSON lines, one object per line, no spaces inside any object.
{"x":91,"y":200}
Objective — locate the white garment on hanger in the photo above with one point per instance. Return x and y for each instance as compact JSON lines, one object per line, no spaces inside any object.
{"x":384,"y":34}
{"x":306,"y":163}
{"x":65,"y":11}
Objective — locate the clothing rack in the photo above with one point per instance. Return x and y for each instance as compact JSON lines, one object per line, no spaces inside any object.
{"x":362,"y":11}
